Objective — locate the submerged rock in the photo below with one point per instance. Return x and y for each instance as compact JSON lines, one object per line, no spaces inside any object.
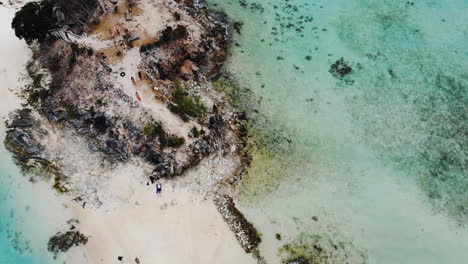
{"x":340,"y":68}
{"x":315,"y":249}
{"x":299,"y":261}
{"x":62,"y":242}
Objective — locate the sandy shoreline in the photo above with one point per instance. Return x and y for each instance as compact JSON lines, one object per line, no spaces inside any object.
{"x":180,"y":226}
{"x":176,"y":227}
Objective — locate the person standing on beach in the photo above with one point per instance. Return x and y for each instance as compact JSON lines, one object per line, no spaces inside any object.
{"x":158,"y":188}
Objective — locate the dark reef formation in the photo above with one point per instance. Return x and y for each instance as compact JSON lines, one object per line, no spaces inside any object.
{"x":245,"y":232}
{"x":340,"y":68}
{"x":63,"y":241}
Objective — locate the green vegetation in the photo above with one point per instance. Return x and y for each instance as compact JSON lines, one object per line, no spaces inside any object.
{"x":221,"y":85}
{"x":148,"y":130}
{"x":195,"y":132}
{"x":168,"y":35}
{"x":33,"y":92}
{"x":92,"y":111}
{"x":58,"y":185}
{"x":77,"y":51}
{"x":304,"y":252}
{"x":278,"y":236}
{"x":166,"y":140}
{"x":315,"y":249}
{"x":72,"y":112}
{"x":33,"y":21}
{"x":175,"y":142}
{"x":186,"y":106}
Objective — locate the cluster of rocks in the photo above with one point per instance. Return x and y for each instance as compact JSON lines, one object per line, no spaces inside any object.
{"x":340,"y":68}
{"x":245,"y":232}
{"x":62,"y":242}
{"x":23,"y":140}
{"x":187,"y":57}
{"x":315,"y":249}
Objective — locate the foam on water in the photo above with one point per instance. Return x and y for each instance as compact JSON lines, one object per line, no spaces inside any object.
{"x":379,"y":156}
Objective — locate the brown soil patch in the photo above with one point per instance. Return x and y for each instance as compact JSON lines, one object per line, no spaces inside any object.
{"x":144,"y":39}
{"x":110,"y":55}
{"x":113,"y":21}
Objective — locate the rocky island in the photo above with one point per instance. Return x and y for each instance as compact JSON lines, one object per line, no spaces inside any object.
{"x":119,"y":97}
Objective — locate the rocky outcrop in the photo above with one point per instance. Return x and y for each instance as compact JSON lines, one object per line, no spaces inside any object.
{"x":62,"y":242}
{"x":340,"y":68}
{"x":84,"y":97}
{"x":245,"y":232}
{"x":23,"y":141}
{"x":184,"y":56}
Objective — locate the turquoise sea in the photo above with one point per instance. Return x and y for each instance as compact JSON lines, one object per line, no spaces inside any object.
{"x":374,"y":161}
{"x":14,"y":246}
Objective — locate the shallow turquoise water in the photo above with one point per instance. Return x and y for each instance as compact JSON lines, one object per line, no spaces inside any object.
{"x":379,"y":156}
{"x":29,"y":213}
{"x":15,"y":213}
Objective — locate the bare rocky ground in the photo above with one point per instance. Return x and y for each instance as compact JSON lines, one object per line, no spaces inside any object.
{"x":103,"y":101}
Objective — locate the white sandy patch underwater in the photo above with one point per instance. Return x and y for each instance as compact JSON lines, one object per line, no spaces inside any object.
{"x":377,"y":158}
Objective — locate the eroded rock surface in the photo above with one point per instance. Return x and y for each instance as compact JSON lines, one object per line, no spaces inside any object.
{"x":244,"y":231}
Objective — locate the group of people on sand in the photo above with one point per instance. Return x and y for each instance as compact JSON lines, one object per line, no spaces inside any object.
{"x":137,"y":260}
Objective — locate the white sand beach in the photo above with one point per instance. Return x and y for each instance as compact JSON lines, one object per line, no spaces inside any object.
{"x":175,"y":227}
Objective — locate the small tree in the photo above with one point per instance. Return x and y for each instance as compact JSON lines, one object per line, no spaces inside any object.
{"x":33,"y":21}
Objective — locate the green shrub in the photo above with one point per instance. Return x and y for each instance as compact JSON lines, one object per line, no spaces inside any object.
{"x":33,"y":92}
{"x":77,"y":51}
{"x":175,"y":142}
{"x":156,"y":130}
{"x":167,"y":36}
{"x":195,"y":132}
{"x":186,"y":106}
{"x":72,"y":112}
{"x":148,"y":130}
{"x":72,"y":60}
